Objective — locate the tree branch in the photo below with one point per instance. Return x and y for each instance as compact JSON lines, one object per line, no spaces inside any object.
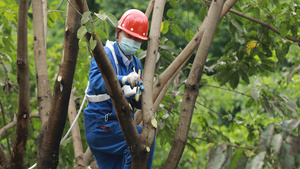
{"x":263,"y":24}
{"x":192,"y":86}
{"x":4,"y":122}
{"x":76,"y":137}
{"x":149,"y":8}
{"x":50,"y":135}
{"x":40,"y":58}
{"x":148,"y":132}
{"x":23,"y":116}
{"x":4,"y":162}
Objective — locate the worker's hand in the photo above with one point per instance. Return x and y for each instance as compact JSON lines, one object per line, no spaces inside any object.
{"x":133,"y":79}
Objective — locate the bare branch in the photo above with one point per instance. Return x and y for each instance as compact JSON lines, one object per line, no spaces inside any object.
{"x":76,"y":137}
{"x":17,"y":158}
{"x":149,"y":8}
{"x":4,"y":122}
{"x":40,"y":57}
{"x":4,"y":162}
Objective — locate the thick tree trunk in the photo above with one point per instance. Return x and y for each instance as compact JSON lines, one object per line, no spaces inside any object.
{"x":50,"y":136}
{"x":40,"y":57}
{"x":23,"y":115}
{"x":192,"y":86}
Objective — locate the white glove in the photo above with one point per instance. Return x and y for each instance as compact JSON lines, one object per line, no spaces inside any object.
{"x":132,"y":79}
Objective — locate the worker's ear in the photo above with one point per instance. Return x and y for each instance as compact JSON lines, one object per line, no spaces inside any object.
{"x":117,"y":33}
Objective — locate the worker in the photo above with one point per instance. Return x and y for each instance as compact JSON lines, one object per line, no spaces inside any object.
{"x":102,"y":129}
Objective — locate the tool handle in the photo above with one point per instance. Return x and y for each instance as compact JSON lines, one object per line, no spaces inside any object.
{"x":137,"y":95}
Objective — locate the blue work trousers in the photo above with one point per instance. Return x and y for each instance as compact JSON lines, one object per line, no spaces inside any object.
{"x":110,"y":149}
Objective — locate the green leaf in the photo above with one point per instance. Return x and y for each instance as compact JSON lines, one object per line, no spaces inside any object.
{"x":89,"y":27}
{"x":85,"y":17}
{"x":254,"y":93}
{"x":245,"y":76}
{"x":101,"y":15}
{"x":238,"y":160}
{"x":277,"y":142}
{"x":226,"y":77}
{"x":81,"y":32}
{"x":266,"y":136}
{"x":188,"y":35}
{"x":286,"y":157}
{"x":284,"y":28}
{"x":93,"y":43}
{"x":112,"y":19}
{"x":234,"y":79}
{"x":171,"y":13}
{"x":202,"y":13}
{"x":173,"y":3}
{"x":165,"y":27}
{"x":257,"y":162}
{"x":217,"y":157}
{"x":289,"y":125}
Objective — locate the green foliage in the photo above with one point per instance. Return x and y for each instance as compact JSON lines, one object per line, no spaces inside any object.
{"x":246,"y":115}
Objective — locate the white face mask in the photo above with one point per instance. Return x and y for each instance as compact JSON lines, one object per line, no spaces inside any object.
{"x":129,"y":46}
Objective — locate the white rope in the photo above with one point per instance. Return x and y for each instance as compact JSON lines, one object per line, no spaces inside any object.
{"x":68,"y":132}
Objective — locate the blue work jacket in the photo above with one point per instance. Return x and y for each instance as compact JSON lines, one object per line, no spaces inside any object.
{"x":102,"y":113}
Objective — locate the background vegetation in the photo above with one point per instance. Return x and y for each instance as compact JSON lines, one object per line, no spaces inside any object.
{"x":248,"y":98}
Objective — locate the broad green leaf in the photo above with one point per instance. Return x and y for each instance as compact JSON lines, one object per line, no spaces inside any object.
{"x":165,"y":27}
{"x":202,"y":13}
{"x":266,"y":136}
{"x":89,"y":27}
{"x":277,"y":142}
{"x":112,"y":19}
{"x":289,"y":125}
{"x":238,"y":160}
{"x":188,"y":35}
{"x":93,"y":43}
{"x":234,"y":80}
{"x":284,"y":28}
{"x":226,"y":77}
{"x":101,"y":15}
{"x":245,"y":76}
{"x":257,"y":162}
{"x":81,"y":32}
{"x":171,"y":13}
{"x":254,"y":93}
{"x":286,"y":157}
{"x":85,"y":17}
{"x":217,"y":157}
{"x":173,"y":3}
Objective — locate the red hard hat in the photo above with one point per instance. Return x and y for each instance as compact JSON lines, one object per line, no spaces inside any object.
{"x":135,"y":23}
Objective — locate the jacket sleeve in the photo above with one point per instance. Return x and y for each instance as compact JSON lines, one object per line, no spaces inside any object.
{"x":97,"y":84}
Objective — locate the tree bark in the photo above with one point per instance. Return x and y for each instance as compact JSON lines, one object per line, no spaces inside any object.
{"x":76,"y":137}
{"x":4,"y":162}
{"x":49,"y":137}
{"x":148,"y":132}
{"x":149,"y":8}
{"x":192,"y":86}
{"x":40,"y":57}
{"x":23,"y":115}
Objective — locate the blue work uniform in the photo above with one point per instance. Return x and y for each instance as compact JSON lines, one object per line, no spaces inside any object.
{"x":102,"y":129}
